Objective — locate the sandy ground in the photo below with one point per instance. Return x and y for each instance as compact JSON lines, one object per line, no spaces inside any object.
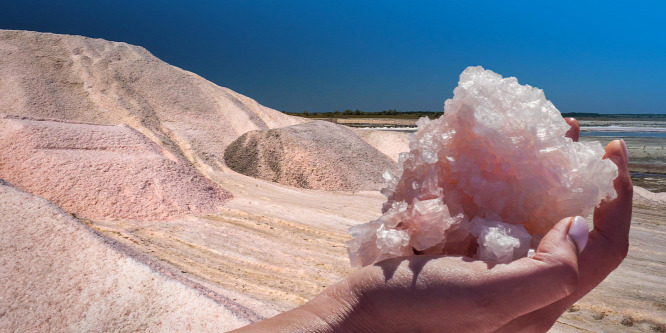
{"x":280,"y":245}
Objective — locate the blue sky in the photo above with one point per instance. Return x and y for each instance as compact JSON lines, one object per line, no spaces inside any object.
{"x":325,"y":55}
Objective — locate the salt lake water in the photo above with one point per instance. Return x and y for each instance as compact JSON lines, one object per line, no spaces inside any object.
{"x":610,"y":131}
{"x":623,"y":132}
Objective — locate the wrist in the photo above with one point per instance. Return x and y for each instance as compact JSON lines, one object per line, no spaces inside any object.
{"x":339,"y":309}
{"x":336,"y":309}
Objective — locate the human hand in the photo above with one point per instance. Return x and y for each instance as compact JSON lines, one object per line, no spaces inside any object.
{"x":430,"y":293}
{"x":607,"y":247}
{"x":443,"y":293}
{"x":438,"y":293}
{"x":574,"y":131}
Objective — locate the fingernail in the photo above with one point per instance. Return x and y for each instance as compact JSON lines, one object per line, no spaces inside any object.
{"x":624,"y":148}
{"x":579,"y":232}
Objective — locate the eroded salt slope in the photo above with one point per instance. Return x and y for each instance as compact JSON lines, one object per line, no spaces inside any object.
{"x":80,"y":79}
{"x":102,"y":172}
{"x":496,"y":168}
{"x":58,"y":276}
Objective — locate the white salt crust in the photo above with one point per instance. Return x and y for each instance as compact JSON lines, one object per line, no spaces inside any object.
{"x":495,"y":169}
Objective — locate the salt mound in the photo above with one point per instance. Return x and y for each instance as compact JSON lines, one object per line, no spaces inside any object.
{"x":102,"y":172}
{"x":88,"y":80}
{"x":495,"y":168}
{"x":59,"y":276}
{"x":645,"y":198}
{"x":391,"y":143}
{"x":316,"y":155}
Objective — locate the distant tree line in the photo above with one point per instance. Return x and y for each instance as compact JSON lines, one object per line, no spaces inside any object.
{"x":392,"y":113}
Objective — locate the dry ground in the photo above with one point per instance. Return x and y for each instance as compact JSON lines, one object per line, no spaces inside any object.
{"x":280,"y":246}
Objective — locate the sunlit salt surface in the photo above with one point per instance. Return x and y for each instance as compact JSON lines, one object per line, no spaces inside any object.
{"x":495,"y":170}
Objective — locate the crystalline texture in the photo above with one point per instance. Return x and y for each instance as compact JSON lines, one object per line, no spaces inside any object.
{"x":495,"y":170}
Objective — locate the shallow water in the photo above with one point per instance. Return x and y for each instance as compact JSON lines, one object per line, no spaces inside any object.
{"x":652,"y":182}
{"x":624,"y":134}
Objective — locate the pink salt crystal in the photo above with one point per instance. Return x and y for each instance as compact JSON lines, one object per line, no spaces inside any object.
{"x":496,"y":168}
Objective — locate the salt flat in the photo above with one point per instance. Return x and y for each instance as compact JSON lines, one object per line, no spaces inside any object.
{"x":269,"y":248}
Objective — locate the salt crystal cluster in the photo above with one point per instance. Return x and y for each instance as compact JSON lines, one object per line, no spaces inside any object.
{"x":496,"y":170}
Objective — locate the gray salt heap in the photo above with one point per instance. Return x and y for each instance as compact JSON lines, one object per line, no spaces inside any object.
{"x":496,"y":168}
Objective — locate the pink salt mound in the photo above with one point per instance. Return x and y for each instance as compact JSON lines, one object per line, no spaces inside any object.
{"x":102,"y":172}
{"x":317,"y":155}
{"x":86,"y":80}
{"x":59,"y":276}
{"x":496,"y":168}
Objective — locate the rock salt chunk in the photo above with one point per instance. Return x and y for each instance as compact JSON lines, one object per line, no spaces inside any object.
{"x":392,"y":242}
{"x":495,"y":168}
{"x":499,"y":242}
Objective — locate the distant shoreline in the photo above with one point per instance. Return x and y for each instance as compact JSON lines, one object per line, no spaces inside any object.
{"x":415,"y":115}
{"x":639,"y":123}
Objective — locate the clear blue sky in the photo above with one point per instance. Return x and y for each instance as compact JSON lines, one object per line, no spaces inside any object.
{"x":320,"y":56}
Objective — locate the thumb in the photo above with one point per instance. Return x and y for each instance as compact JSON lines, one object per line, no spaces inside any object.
{"x":559,"y":251}
{"x":565,"y":240}
{"x":558,"y":254}
{"x":552,"y":273}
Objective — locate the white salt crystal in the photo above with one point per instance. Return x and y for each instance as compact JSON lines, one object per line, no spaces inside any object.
{"x":392,"y":242}
{"x":500,"y":242}
{"x":498,"y":156}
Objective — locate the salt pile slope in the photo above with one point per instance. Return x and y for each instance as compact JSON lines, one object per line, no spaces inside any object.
{"x":316,"y":155}
{"x":95,"y":81}
{"x":84,"y":284}
{"x":495,"y":168}
{"x":102,"y":172}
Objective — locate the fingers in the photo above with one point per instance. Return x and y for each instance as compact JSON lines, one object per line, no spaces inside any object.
{"x":606,"y":248}
{"x":470,"y":295}
{"x":550,"y":275}
{"x":574,"y":132}
{"x":617,"y":152}
{"x":612,"y":219}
